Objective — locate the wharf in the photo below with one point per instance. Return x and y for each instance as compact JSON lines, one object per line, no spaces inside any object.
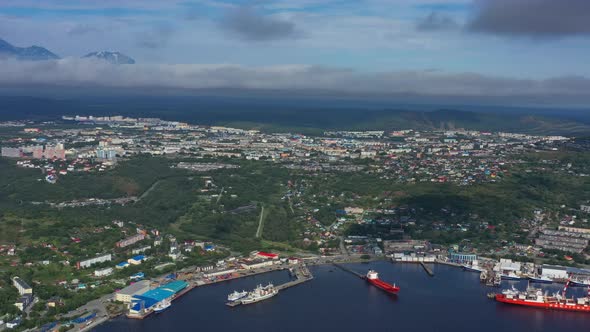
{"x":302,"y":275}
{"x":427,"y":269}
{"x":344,"y":268}
{"x":424,"y":266}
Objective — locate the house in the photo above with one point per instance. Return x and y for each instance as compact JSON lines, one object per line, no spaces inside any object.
{"x":103,"y":272}
{"x":122,"y":265}
{"x":55,"y":302}
{"x":136,"y":260}
{"x":24,"y":301}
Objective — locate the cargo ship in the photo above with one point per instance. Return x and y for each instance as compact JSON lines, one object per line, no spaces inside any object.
{"x":236,"y":296}
{"x":261,"y":293}
{"x":372,"y":277}
{"x":534,"y":297}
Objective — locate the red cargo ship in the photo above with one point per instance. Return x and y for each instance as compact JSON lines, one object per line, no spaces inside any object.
{"x":373,"y":278}
{"x":534,"y":297}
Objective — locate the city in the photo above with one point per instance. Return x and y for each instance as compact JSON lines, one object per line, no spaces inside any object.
{"x":321,"y":221}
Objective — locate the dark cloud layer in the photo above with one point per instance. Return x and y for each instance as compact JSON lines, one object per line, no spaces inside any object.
{"x":532,"y":18}
{"x":246,"y":23}
{"x":73,"y":72}
{"x":436,"y":21}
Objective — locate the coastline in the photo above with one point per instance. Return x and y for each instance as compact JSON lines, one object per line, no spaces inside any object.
{"x":317,"y":262}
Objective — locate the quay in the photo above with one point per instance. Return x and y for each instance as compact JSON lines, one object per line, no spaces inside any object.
{"x":427,"y":269}
{"x":344,"y":268}
{"x":302,"y":275}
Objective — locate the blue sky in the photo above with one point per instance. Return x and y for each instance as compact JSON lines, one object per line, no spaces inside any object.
{"x":479,"y":37}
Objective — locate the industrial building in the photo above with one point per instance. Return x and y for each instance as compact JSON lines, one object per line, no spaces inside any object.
{"x":22,"y":287}
{"x":127,"y":293}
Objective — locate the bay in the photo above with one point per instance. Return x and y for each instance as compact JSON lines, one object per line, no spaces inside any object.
{"x":335,"y":300}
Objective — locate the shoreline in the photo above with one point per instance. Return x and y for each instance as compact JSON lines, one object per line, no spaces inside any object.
{"x":325,"y":261}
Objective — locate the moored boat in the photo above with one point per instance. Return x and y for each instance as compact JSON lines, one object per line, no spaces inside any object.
{"x":236,"y":296}
{"x":260,"y":293}
{"x":541,"y":280}
{"x":162,"y":306}
{"x":534,"y":297}
{"x":473,"y":267}
{"x":511,"y":276}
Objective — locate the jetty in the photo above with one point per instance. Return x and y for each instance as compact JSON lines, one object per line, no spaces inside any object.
{"x":346,"y":269}
{"x":427,"y":269}
{"x":302,"y":275}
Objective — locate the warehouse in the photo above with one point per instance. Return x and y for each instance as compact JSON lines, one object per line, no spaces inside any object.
{"x":127,"y":293}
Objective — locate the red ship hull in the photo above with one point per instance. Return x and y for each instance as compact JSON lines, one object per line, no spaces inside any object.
{"x":389,"y":288}
{"x":544,"y":305}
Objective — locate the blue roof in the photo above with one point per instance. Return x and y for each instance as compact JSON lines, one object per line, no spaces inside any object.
{"x":158,"y":294}
{"x":84,"y":319}
{"x":123,"y":264}
{"x":147,"y":302}
{"x":175,"y":286}
{"x":138,"y":275}
{"x":139,"y":258}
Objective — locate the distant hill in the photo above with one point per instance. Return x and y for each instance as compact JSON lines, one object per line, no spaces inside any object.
{"x":115,"y":58}
{"x":31,"y":53}
{"x":279,"y":116}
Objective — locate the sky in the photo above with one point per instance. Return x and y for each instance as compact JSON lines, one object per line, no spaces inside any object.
{"x":446,"y":47}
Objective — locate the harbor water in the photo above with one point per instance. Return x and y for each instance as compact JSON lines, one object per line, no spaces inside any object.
{"x":336,"y":300}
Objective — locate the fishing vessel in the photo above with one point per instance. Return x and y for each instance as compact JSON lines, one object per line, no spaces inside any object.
{"x":510,"y":276}
{"x":473,"y":267}
{"x":261,"y":293}
{"x":236,"y":296}
{"x":580,"y":282}
{"x":372,"y":277}
{"x":162,"y":306}
{"x":534,"y":297}
{"x":541,"y":280}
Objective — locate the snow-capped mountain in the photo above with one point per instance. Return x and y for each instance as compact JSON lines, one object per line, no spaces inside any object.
{"x":116,"y":58}
{"x":32,"y":53}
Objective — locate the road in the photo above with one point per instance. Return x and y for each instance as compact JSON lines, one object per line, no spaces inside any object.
{"x":260,"y":224}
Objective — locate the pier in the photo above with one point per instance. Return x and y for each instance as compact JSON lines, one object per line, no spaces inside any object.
{"x":302,"y":275}
{"x":344,"y":268}
{"x":427,"y":269}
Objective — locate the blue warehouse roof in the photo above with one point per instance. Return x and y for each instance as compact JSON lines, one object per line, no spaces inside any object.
{"x":158,"y":294}
{"x":175,"y":286}
{"x":148,"y":302}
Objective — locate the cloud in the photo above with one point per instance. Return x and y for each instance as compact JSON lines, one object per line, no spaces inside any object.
{"x":73,"y":72}
{"x":436,"y":21}
{"x":246,"y":23}
{"x":155,"y":37}
{"x":532,"y":18}
{"x":83,"y":29}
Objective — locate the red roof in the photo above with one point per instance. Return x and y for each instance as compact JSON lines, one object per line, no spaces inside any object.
{"x":267,"y":254}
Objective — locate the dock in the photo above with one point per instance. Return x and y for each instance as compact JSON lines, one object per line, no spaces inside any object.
{"x":302,"y":275}
{"x":427,"y":269}
{"x":344,"y":268}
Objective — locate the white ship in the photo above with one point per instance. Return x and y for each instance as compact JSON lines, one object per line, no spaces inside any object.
{"x":260,"y":293}
{"x":473,"y":267}
{"x":236,"y":296}
{"x":162,"y":305}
